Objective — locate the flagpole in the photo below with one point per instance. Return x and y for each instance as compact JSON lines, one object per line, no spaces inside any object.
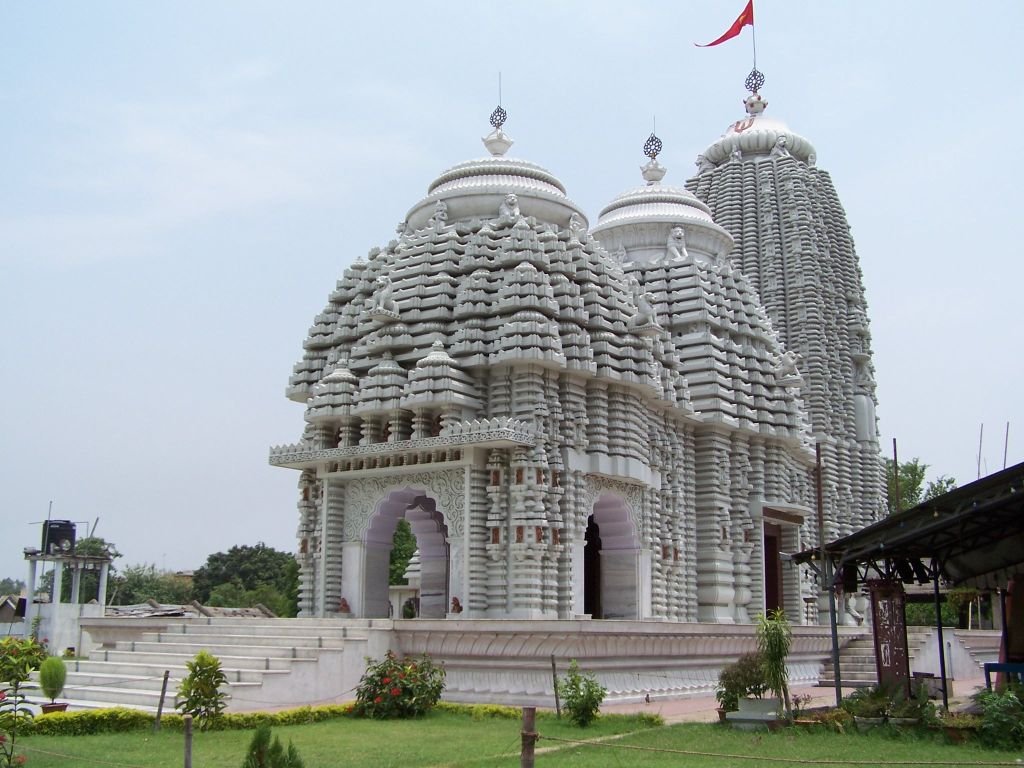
{"x":753,"y":40}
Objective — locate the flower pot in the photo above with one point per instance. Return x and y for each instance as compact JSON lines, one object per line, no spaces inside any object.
{"x":865,"y":724}
{"x":905,"y":722}
{"x":55,"y":706}
{"x":722,"y":712}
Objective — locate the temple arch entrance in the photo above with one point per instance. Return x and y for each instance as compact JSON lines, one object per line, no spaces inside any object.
{"x":431,"y":532}
{"x":616,"y":571}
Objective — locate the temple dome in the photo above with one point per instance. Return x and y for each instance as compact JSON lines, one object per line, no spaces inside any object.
{"x":475,"y":189}
{"x":640,"y":221}
{"x":757,"y":135}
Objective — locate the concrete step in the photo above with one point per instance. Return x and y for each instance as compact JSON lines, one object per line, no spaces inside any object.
{"x":225,"y":649}
{"x":176,"y":661}
{"x":225,"y":638}
{"x":259,"y":629}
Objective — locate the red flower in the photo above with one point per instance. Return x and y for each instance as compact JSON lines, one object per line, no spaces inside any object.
{"x":386,"y":680}
{"x":395,"y":691}
{"x":378,"y":700}
{"x":3,"y":695}
{"x":401,"y":675}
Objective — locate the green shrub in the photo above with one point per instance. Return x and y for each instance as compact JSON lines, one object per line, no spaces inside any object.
{"x":1002,"y":719}
{"x":52,"y":674}
{"x":199,"y":694}
{"x":266,"y":754}
{"x":19,"y":658}
{"x":395,"y":688}
{"x":744,"y":677}
{"x":581,"y":695}
{"x":774,"y":638}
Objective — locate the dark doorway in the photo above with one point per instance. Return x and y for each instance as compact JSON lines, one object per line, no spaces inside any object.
{"x":592,"y":570}
{"x":772,"y":567}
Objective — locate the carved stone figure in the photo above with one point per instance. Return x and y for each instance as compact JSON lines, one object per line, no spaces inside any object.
{"x":440,"y":216}
{"x":736,"y":155}
{"x":383,"y":300}
{"x":577,"y":227}
{"x":676,"y":245}
{"x":780,"y":149}
{"x":508,"y":211}
{"x":646,"y":314}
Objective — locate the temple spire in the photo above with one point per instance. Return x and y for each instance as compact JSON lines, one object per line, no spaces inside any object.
{"x":497,"y":141}
{"x":653,"y":172}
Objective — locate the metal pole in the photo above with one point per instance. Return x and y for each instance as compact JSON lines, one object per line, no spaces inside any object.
{"x":188,"y":741}
{"x":826,"y":576}
{"x":896,"y":478}
{"x":554,"y":680}
{"x":529,"y":736}
{"x":160,"y":705}
{"x":938,"y":626}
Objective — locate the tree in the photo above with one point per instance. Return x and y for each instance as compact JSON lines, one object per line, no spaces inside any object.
{"x":140,"y":583}
{"x":912,"y":486}
{"x":257,"y":574}
{"x":402,"y":549}
{"x":11,"y":586}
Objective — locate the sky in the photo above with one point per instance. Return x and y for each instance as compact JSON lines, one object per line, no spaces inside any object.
{"x":182,"y":183}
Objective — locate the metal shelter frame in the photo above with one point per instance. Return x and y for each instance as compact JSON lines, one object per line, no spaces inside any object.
{"x":973,"y":535}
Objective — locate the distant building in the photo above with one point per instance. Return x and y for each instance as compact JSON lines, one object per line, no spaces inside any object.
{"x":613,"y":421}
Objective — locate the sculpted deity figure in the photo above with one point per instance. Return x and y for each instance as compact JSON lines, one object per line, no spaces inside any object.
{"x":780,"y":149}
{"x":440,"y":217}
{"x":508,"y":211}
{"x":620,"y":254}
{"x":577,"y":227}
{"x":787,"y":364}
{"x":703,"y":164}
{"x":676,"y":245}
{"x":736,"y":155}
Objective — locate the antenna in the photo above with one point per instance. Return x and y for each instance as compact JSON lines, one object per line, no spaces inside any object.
{"x":981,"y":434}
{"x":499,"y":88}
{"x":1006,"y":443}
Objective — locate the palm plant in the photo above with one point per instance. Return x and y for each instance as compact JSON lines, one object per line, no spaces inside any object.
{"x":774,"y":638}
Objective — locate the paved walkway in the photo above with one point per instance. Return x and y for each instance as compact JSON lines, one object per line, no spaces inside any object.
{"x":704,"y":709}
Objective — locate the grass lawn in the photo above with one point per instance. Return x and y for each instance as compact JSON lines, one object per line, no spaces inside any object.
{"x":439,"y":739}
{"x":456,"y":740}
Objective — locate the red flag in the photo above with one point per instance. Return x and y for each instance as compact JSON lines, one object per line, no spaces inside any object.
{"x":745,"y":18}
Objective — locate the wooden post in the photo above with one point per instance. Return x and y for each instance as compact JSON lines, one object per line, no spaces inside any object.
{"x":529,"y":736}
{"x":160,"y":705}
{"x":554,"y":681}
{"x":188,"y":741}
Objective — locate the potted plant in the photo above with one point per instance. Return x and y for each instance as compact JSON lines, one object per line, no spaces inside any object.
{"x":912,"y":711}
{"x":52,"y":674}
{"x":869,"y":706}
{"x":739,"y":680}
{"x":959,"y":726}
{"x":774,"y":638}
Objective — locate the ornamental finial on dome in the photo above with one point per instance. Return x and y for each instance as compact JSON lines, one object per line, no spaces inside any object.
{"x":754,"y":80}
{"x":496,"y":141}
{"x":653,"y":172}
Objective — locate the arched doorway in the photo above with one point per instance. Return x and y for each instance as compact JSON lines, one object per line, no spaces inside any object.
{"x":431,"y":532}
{"x":616,"y":571}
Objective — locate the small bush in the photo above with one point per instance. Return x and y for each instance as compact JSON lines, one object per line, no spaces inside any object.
{"x":394,"y":688}
{"x":52,"y":674}
{"x":266,"y":754}
{"x":744,"y":677}
{"x":581,"y":695}
{"x":1002,"y":719}
{"x":199,"y":694}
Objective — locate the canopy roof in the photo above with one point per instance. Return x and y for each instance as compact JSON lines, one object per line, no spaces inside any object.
{"x":972,"y":535}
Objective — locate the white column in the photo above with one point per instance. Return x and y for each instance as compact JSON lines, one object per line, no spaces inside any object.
{"x":101,"y":596}
{"x":58,"y":582}
{"x":30,"y":594}
{"x":76,"y":582}
{"x":577,"y":576}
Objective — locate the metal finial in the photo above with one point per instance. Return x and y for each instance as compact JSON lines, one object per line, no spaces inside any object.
{"x":498,"y":117}
{"x":754,"y":80}
{"x":652,"y":147}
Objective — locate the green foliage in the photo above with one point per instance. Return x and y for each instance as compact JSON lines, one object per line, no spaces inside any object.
{"x":923,"y":615}
{"x":774,"y":638}
{"x":912,"y":487}
{"x":266,"y":754}
{"x":402,"y":548}
{"x":258,"y":574}
{"x":11,"y":586}
{"x":581,"y":695}
{"x":15,"y":716}
{"x":140,"y":583}
{"x":199,"y":694}
{"x":1002,"y":718}
{"x":52,"y":674}
{"x":394,"y":688}
{"x":875,"y":701}
{"x":744,"y":677}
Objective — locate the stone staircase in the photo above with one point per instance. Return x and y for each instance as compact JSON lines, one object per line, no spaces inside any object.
{"x":268,"y":662}
{"x":857,"y":659}
{"x":981,"y":644}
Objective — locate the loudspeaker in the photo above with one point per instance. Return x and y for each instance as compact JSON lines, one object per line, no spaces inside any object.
{"x":58,"y":537}
{"x":19,"y":609}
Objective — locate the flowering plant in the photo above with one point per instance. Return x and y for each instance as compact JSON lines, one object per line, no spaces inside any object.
{"x":18,"y":658}
{"x":396,"y":687}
